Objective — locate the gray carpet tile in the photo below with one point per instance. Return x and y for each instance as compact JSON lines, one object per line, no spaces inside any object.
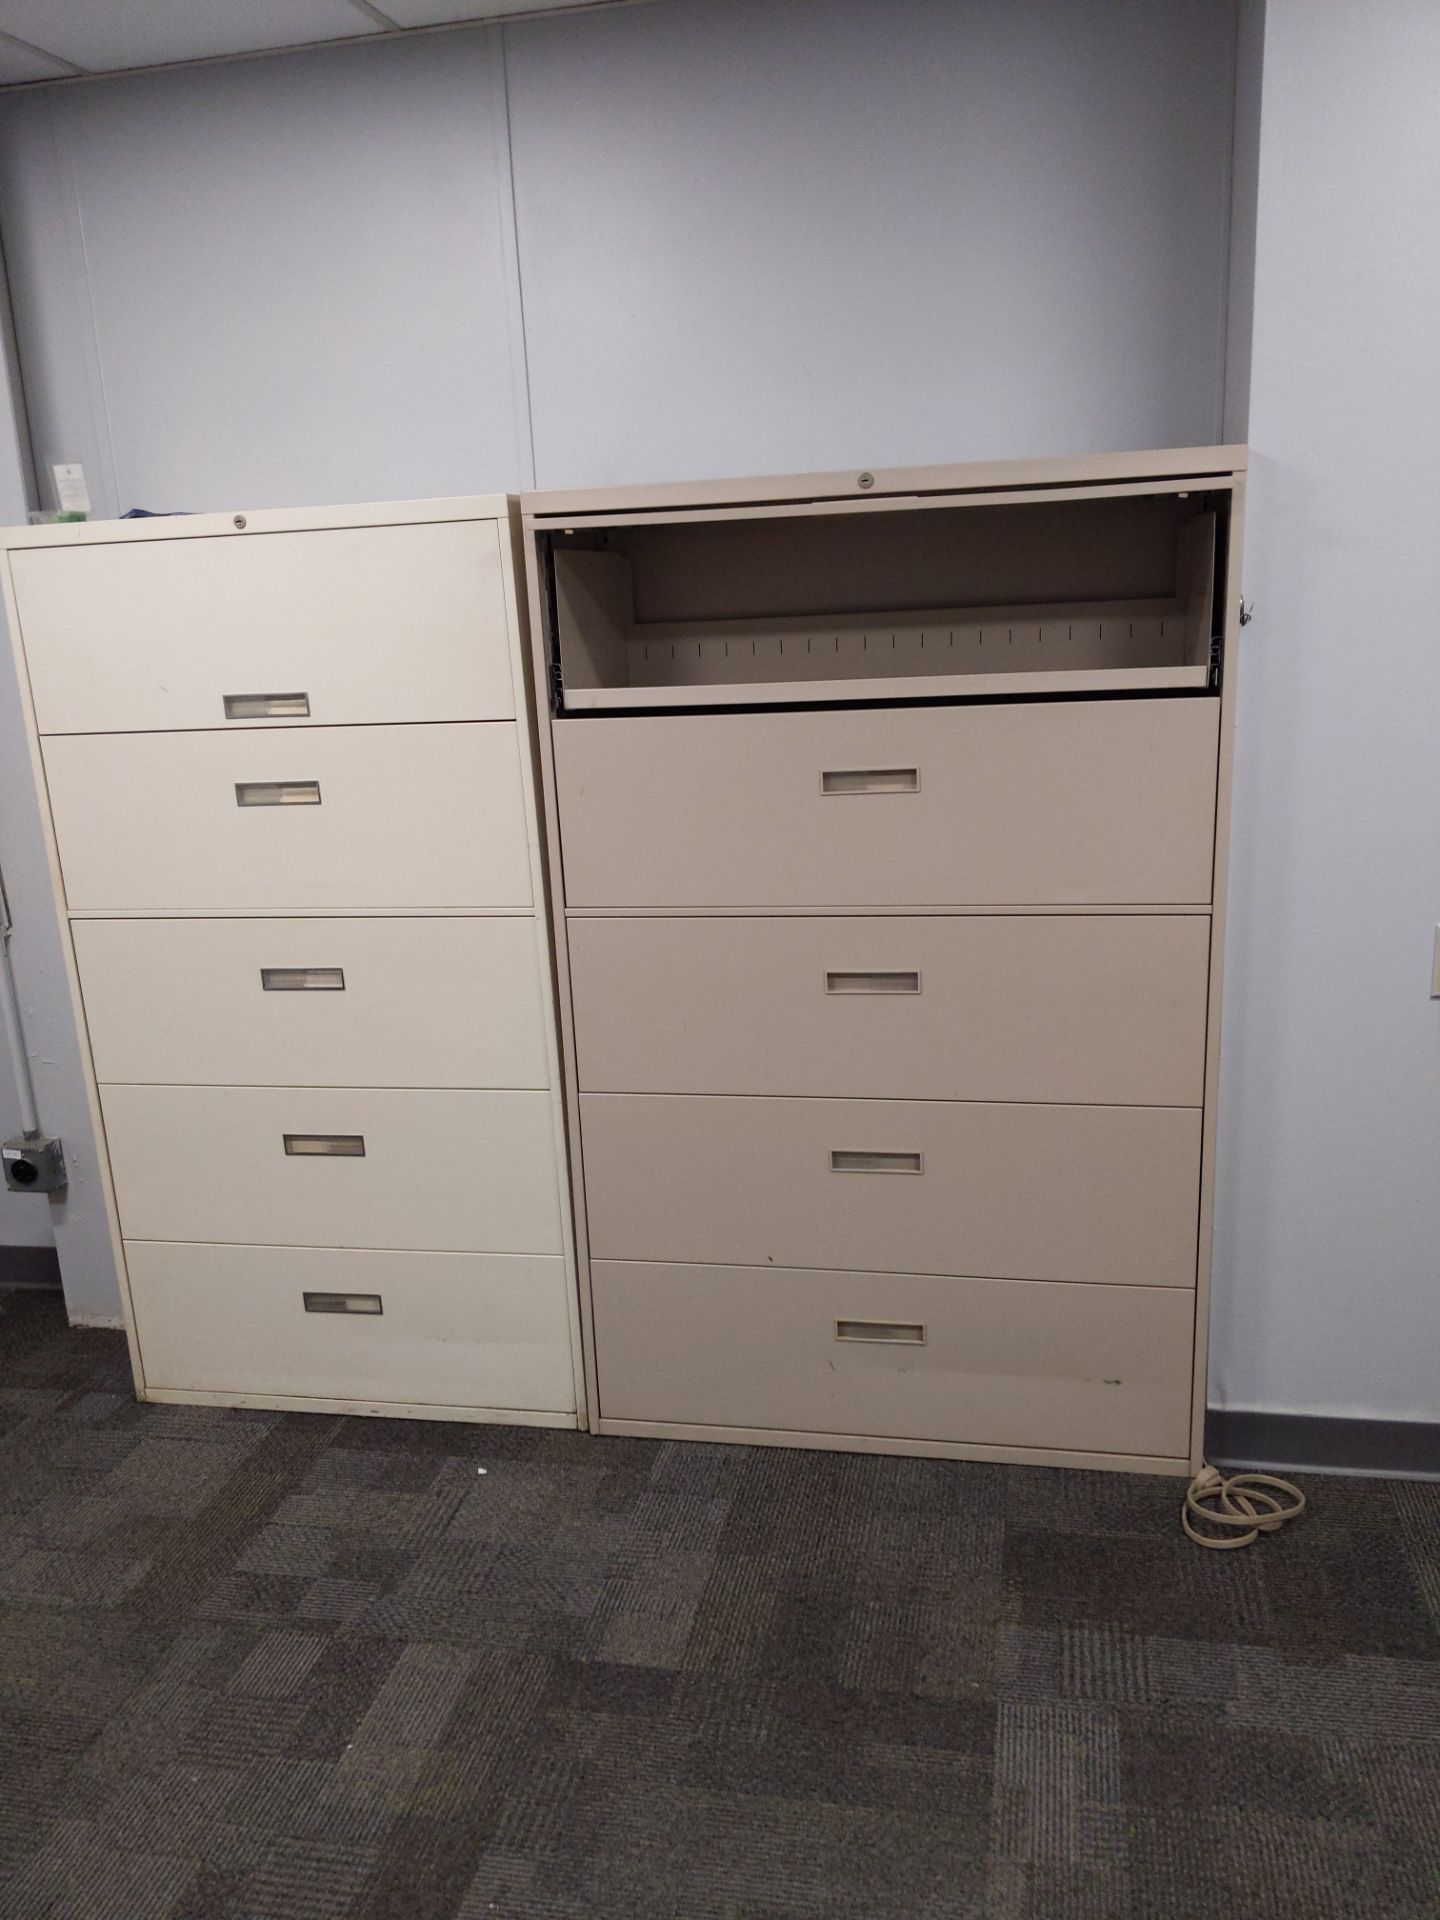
{"x":295,"y":1667}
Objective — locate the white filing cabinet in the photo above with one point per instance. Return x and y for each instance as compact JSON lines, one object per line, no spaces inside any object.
{"x":286,"y":764}
{"x":888,"y":818}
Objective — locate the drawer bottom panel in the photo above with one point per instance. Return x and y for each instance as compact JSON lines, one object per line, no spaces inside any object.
{"x":1002,"y":1363}
{"x":453,"y":1329}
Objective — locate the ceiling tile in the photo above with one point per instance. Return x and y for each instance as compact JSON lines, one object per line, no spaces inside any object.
{"x":21,"y":63}
{"x":101,"y":35}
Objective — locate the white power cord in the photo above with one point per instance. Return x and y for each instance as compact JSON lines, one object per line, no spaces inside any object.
{"x":1241,"y":1505}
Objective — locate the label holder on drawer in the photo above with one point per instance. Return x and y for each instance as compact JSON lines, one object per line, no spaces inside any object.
{"x":303,"y":979}
{"x":870,"y":780}
{"x":888,"y":1333}
{"x":277,"y":793}
{"x":267,"y":706}
{"x":325,"y":1146}
{"x":882,"y":980}
{"x":848,"y":1160}
{"x":343,"y":1303}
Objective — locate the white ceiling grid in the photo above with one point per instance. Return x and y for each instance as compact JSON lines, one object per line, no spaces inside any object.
{"x":65,"y":39}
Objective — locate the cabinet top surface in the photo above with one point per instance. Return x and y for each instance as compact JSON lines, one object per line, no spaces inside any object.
{"x":239,"y":521}
{"x":1211,"y":463}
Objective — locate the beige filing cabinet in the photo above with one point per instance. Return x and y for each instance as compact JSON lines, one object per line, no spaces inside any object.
{"x":286,"y":765}
{"x":887,"y":819}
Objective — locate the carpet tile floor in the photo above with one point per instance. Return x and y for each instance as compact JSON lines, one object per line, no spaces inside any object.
{"x":260,"y":1666}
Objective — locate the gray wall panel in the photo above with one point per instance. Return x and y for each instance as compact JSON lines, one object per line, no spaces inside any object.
{"x":1328,"y":1207}
{"x":765,"y":235}
{"x":276,"y":282}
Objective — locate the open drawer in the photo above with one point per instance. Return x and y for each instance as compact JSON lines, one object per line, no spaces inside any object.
{"x":1055,"y":591}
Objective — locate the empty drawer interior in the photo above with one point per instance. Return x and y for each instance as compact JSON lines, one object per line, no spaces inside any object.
{"x":915,"y":599}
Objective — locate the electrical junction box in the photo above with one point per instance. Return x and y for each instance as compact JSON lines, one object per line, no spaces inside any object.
{"x":34,"y":1163}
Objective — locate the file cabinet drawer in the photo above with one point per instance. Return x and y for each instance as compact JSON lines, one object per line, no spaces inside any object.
{"x":424,"y":1329}
{"x":315,"y":1002}
{"x":1012,"y":1191}
{"x":335,"y":1167}
{"x":351,"y":624}
{"x":1075,"y":803}
{"x":1102,"y":1008}
{"x":998,"y":1363}
{"x":321,"y":818}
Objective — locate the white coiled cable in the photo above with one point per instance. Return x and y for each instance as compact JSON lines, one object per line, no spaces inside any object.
{"x":1238,"y":1507}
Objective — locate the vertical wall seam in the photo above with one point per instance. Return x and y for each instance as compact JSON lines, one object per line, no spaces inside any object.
{"x":1227,"y":277}
{"x":15,"y":381}
{"x":19,"y":380}
{"x":99,"y":399}
{"x":515,"y":275}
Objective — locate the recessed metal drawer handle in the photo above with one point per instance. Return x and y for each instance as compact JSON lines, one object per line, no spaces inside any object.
{"x":341,"y":1146}
{"x":277,"y":793}
{"x":343,"y":1303}
{"x":876,"y":1162}
{"x":267,"y":706}
{"x":871,"y":780}
{"x":908,"y":1333}
{"x":872,"y":983}
{"x":303,"y":979}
